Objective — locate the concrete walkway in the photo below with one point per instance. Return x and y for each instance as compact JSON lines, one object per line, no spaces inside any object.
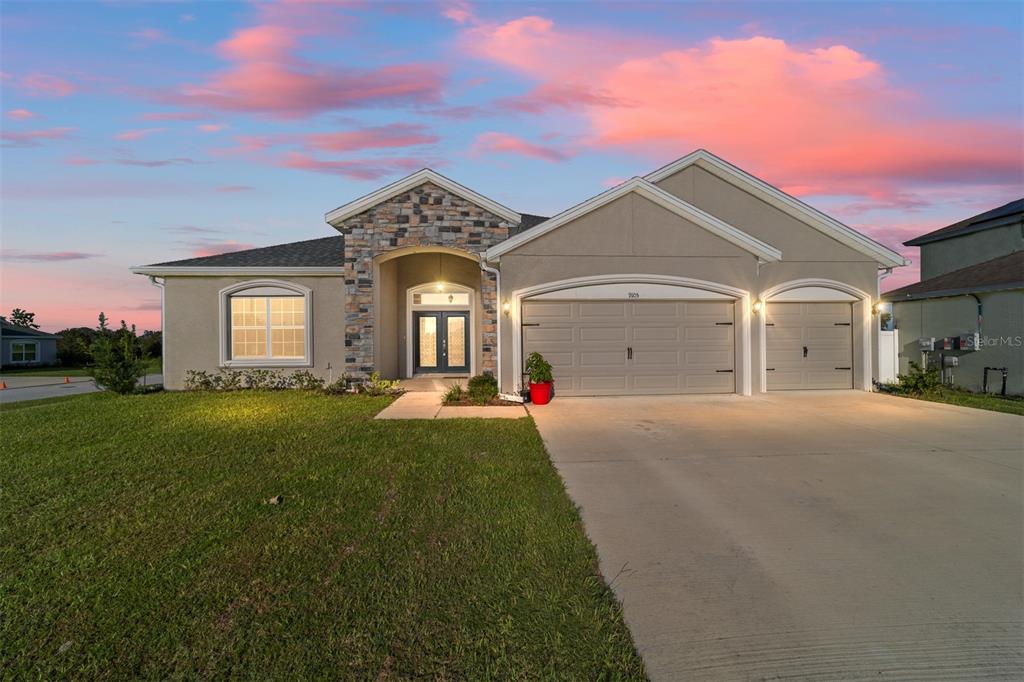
{"x":422,"y":400}
{"x":25,"y":389}
{"x":803,"y":535}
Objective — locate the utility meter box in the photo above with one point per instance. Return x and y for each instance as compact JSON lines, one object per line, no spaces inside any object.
{"x":952,"y":361}
{"x":950,"y":342}
{"x":970,"y":342}
{"x":926,"y":343}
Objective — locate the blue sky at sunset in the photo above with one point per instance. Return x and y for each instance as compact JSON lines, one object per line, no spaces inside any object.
{"x":142,"y":132}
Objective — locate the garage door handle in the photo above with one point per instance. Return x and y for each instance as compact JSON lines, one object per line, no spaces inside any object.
{"x":770,"y":369}
{"x":840,"y":324}
{"x":723,"y":324}
{"x":629,"y":353}
{"x":724,"y":371}
{"x":843,"y":368}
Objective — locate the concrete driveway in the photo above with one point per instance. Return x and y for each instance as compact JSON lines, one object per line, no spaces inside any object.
{"x":824,"y":535}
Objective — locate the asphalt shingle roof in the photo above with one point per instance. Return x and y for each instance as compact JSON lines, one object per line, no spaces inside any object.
{"x":1004,"y":272}
{"x":323,"y":252}
{"x":529,"y":220}
{"x":11,"y":329}
{"x":996,"y":217}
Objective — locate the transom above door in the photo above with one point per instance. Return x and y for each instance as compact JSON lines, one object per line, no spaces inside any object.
{"x":441,"y":342}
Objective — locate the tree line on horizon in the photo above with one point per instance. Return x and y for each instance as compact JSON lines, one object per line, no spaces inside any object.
{"x":75,"y":345}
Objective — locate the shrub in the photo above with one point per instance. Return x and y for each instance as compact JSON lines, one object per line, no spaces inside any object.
{"x":453,"y":395}
{"x":227,"y":380}
{"x":483,"y":388}
{"x":920,"y":379}
{"x":198,"y":380}
{"x":264,"y":379}
{"x":73,"y":346}
{"x":339,"y":386}
{"x":377,"y":386}
{"x":117,"y":364}
{"x":306,"y":381}
{"x":538,"y":368}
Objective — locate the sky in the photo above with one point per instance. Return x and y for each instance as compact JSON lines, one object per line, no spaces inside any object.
{"x":136,"y":133}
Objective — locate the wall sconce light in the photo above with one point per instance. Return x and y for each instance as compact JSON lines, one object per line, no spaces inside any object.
{"x":758,"y":306}
{"x":506,"y":308}
{"x":440,"y":286}
{"x":878,"y":307}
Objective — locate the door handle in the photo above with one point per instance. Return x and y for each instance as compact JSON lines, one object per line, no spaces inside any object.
{"x":629,"y":353}
{"x":805,"y":351}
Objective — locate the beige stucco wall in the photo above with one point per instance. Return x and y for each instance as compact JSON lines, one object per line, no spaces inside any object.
{"x":633,"y":235}
{"x":947,"y":255}
{"x":192,"y":325}
{"x":1002,"y":333}
{"x":395,"y":277}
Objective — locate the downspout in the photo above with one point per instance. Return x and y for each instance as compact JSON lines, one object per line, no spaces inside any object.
{"x":981,"y":316}
{"x":163,"y":316}
{"x":497,"y":311}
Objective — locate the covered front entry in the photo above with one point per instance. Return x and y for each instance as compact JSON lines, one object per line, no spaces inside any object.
{"x":633,"y":347}
{"x":809,"y":345}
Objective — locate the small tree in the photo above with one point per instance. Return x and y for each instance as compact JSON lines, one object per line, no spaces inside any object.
{"x":24,"y":318}
{"x":73,"y":346}
{"x":117,"y":364}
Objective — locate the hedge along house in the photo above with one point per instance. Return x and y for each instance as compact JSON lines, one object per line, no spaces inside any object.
{"x":697,"y":278}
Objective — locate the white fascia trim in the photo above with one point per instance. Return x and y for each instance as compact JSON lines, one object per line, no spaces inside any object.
{"x":785,"y":203}
{"x":198,"y":271}
{"x":648,"y":190}
{"x":415,"y":180}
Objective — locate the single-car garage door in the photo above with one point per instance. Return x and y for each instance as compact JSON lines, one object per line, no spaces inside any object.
{"x":633,"y":347}
{"x":809,"y":345}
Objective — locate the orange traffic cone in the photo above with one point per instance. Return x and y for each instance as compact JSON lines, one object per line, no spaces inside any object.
{"x":3,"y":385}
{"x":67,"y":380}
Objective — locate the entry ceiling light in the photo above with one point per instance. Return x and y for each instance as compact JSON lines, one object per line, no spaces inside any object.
{"x":758,"y":306}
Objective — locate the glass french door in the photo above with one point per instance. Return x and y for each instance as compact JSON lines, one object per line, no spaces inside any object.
{"x":441,"y":342}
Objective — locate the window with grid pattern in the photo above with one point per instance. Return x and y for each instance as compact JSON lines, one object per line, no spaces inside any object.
{"x":23,"y":352}
{"x":268,"y":327}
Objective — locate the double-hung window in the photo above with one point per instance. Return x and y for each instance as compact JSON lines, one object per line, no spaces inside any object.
{"x":267,"y":325}
{"x":24,"y":352}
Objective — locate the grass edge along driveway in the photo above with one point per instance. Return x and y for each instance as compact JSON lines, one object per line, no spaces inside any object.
{"x":139,"y":543}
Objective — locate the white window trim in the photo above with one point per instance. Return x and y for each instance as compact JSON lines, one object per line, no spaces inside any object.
{"x":34,"y":344}
{"x":423,"y":307}
{"x":224,"y":332}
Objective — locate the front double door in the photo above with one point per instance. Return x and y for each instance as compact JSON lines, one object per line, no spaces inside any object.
{"x":441,"y":342}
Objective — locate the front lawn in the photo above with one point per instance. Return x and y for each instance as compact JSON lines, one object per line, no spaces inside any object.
{"x":138,"y":541}
{"x":981,"y":401}
{"x":153,"y":366}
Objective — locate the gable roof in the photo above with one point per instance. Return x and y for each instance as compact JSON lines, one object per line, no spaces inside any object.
{"x":1007,"y":214}
{"x":11,"y":329}
{"x":998,"y":274}
{"x":409,"y":182}
{"x":659,"y":196}
{"x":782,"y":201}
{"x":311,"y":254}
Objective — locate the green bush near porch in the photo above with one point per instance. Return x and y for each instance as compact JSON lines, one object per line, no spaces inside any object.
{"x":140,"y":542}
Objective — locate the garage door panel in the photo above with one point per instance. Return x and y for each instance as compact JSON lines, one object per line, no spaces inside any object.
{"x":677,"y":345}
{"x":825,"y":330}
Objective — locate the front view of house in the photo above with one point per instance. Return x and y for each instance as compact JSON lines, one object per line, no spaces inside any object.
{"x":697,"y":278}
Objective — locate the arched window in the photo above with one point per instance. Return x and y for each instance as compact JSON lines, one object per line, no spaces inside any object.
{"x":266,"y":323}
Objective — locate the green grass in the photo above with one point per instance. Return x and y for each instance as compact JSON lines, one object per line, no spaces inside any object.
{"x":981,"y":401}
{"x":137,"y":543}
{"x":152,"y":367}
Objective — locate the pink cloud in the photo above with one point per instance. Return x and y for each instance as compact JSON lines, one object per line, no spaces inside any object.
{"x":81,"y":161}
{"x":211,"y":127}
{"x":355,"y":169}
{"x":34,"y":138}
{"x":46,"y":257}
{"x":459,"y":12}
{"x":215,"y":248}
{"x":231,"y":189}
{"x":137,"y":133}
{"x":156,"y":163}
{"x":502,"y":143}
{"x":46,"y":85}
{"x":376,"y":137}
{"x":20,"y":114}
{"x":267,"y":76}
{"x":814,"y":120}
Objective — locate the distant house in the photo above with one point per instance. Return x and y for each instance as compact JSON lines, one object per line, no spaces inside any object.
{"x":24,"y":346}
{"x":972,"y":282}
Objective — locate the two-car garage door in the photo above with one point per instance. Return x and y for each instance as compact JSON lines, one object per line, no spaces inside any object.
{"x":633,"y":347}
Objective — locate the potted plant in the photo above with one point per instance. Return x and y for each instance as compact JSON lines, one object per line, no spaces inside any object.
{"x":539,"y":370}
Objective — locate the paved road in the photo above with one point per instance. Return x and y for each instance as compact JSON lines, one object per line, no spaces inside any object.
{"x":827,"y":535}
{"x":33,"y":388}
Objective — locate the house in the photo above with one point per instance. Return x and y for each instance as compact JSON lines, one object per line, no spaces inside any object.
{"x":970,"y":300}
{"x":697,"y":278}
{"x":25,"y":346}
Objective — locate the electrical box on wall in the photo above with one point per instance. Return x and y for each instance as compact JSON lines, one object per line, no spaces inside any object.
{"x":970,"y":342}
{"x":926,"y":343}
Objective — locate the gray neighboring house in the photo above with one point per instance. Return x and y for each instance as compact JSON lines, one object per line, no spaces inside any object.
{"x":696,"y":278}
{"x":972,"y":281}
{"x":26,"y":347}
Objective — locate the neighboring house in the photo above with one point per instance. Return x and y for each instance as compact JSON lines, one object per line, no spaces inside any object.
{"x":654,"y":286}
{"x":26,"y":347}
{"x":972,"y":281}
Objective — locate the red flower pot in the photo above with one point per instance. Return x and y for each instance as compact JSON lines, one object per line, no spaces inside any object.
{"x":540,"y":394}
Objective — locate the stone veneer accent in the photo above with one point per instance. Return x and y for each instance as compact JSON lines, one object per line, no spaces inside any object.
{"x":425,"y":216}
